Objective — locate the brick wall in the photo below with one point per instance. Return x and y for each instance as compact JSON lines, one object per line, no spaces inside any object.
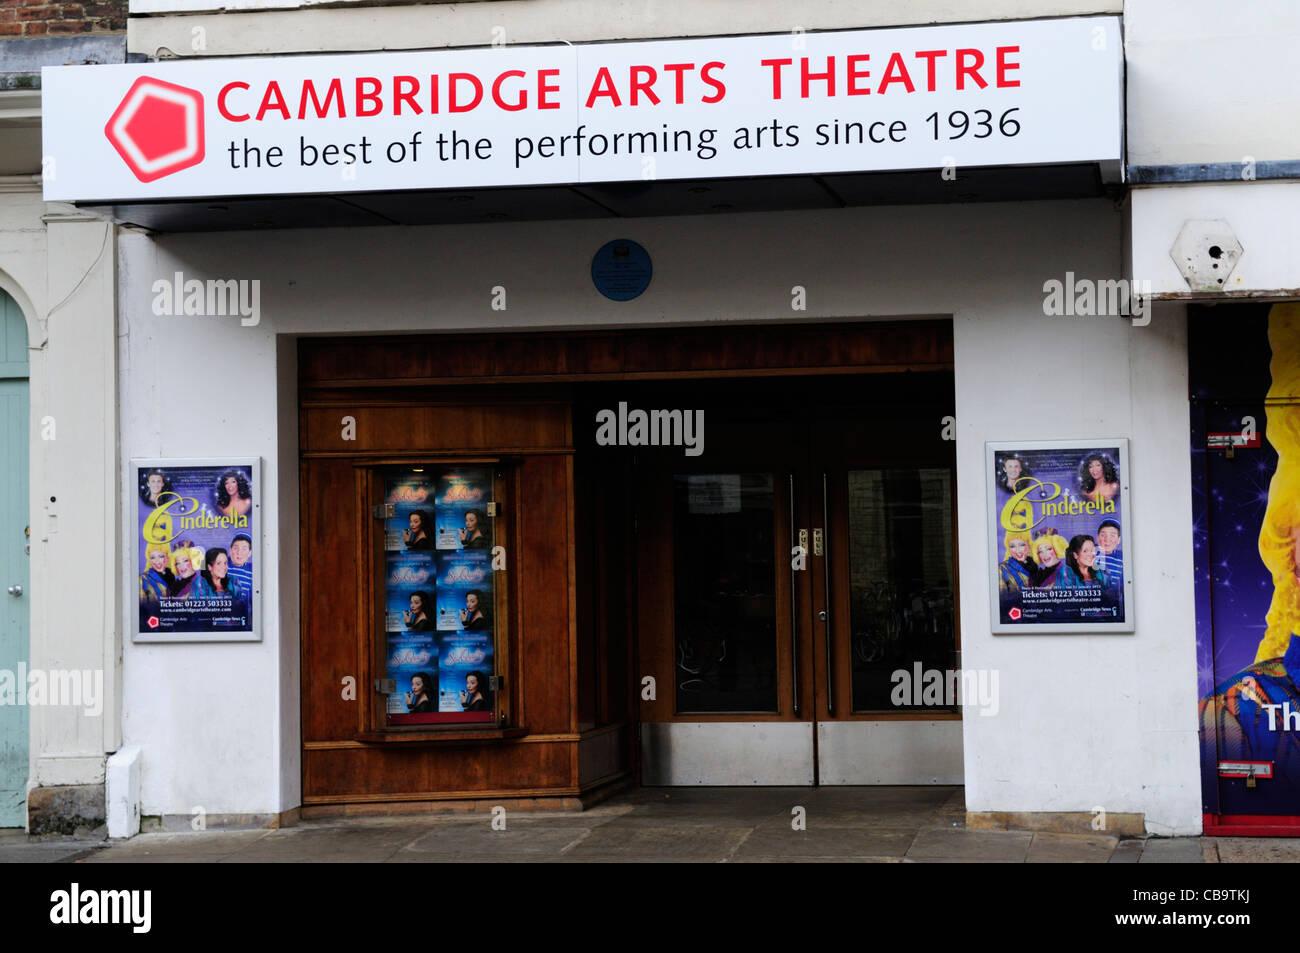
{"x":22,"y":18}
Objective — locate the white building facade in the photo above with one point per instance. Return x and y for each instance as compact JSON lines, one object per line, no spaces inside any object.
{"x":861,"y":325}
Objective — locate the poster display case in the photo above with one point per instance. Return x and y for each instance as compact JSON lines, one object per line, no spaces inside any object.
{"x":442,"y":597}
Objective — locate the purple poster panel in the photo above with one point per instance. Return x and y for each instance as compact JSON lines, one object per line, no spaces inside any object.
{"x":1057,"y":529}
{"x":196,"y":535}
{"x":1246,"y":536}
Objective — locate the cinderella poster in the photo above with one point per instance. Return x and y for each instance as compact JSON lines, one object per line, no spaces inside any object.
{"x":1058,"y":534}
{"x":196,"y":536}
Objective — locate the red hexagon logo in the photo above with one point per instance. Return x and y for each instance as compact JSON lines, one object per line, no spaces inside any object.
{"x":157,"y":128}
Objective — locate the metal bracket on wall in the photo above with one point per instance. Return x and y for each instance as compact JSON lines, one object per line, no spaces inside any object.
{"x":1206,"y":253}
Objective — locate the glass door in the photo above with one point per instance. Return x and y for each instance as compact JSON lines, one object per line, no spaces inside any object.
{"x":884,"y":626}
{"x":895,"y":587}
{"x":797,"y":604}
{"x":725,"y":648}
{"x":725,"y":661}
{"x":883,"y":595}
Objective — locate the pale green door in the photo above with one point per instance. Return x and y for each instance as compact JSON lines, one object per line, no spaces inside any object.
{"x":14,"y":600}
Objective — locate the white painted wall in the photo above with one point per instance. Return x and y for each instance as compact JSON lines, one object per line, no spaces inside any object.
{"x":1084,"y":720}
{"x":1262,"y":215}
{"x":58,"y":264}
{"x":208,"y":716}
{"x":297,"y":26}
{"x":1111,"y":718}
{"x":1210,"y":81}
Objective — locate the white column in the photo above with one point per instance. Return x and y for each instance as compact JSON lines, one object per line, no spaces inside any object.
{"x":75,"y":597}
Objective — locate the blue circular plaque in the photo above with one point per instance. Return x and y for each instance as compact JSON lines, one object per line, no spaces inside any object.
{"x":621,"y":270}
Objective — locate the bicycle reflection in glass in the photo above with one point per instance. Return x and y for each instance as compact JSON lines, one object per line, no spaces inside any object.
{"x":883,"y":621}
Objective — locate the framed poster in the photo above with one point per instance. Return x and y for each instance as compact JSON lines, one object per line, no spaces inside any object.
{"x":440,"y":594}
{"x":196,"y":545}
{"x":1057,"y":512}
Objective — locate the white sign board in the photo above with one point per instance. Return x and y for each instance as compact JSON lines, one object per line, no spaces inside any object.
{"x":943,"y":97}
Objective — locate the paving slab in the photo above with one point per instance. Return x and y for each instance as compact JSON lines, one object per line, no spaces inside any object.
{"x":630,"y":859}
{"x":37,"y":853}
{"x":826,"y":843}
{"x":964,"y":845}
{"x":1127,"y":851}
{"x":112,"y":857}
{"x":197,"y":846}
{"x":737,"y":825}
{"x":17,"y":847}
{"x":1250,"y":850}
{"x":482,"y":842}
{"x":411,"y":857}
{"x":818,"y":817}
{"x":659,"y":843}
{"x":516,"y":820}
{"x":678,"y":814}
{"x":962,"y":860}
{"x":1172,"y":850}
{"x":314,"y":845}
{"x":818,"y":860}
{"x":1071,"y":848}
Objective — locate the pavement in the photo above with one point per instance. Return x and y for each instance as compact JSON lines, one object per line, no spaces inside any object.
{"x":705,"y":825}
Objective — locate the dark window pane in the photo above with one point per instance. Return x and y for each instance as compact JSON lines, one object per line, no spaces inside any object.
{"x":900,"y":573}
{"x":725,"y":592}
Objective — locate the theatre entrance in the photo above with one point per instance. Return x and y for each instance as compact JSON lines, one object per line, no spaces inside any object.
{"x":795,"y":581}
{"x":753,"y":593}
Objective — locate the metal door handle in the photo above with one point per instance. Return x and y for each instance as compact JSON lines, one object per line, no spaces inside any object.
{"x":794,"y":613}
{"x":15,"y":590}
{"x":824,"y":615}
